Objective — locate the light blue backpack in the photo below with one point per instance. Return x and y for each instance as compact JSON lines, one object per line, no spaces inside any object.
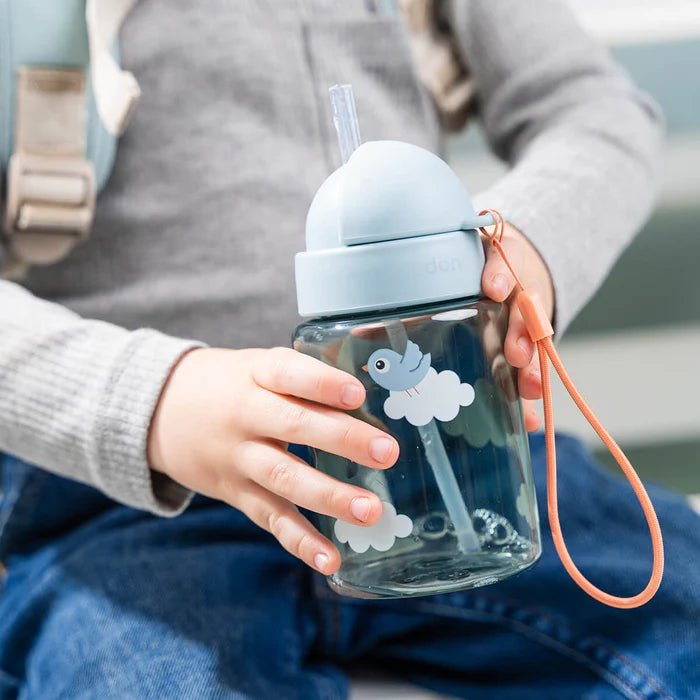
{"x":64,"y":101}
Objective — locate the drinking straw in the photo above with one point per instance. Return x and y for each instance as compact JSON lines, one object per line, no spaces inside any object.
{"x":345,"y":119}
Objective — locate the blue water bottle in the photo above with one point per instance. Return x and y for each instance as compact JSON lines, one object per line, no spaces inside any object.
{"x":390,"y":286}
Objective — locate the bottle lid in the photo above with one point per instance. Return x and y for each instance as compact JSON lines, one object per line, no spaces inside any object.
{"x":392,"y":227}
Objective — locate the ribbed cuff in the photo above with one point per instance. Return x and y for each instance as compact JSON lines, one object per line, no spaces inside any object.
{"x":123,"y":420}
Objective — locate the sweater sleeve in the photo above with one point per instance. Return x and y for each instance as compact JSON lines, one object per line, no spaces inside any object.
{"x":77,"y":397}
{"x":581,"y":140}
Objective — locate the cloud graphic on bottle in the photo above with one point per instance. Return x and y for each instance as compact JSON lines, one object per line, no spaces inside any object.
{"x":436,"y":396}
{"x":380,"y":536}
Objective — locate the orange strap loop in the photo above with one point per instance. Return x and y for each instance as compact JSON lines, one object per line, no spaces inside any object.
{"x":540,"y":330}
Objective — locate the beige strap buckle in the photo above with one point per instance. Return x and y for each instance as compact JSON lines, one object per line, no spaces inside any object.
{"x":50,"y":206}
{"x":50,"y":184}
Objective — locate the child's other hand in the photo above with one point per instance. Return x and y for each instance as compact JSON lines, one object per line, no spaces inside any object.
{"x":498,"y":284}
{"x":222,"y":426}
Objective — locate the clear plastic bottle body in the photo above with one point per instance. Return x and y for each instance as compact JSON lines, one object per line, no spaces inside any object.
{"x":459,"y":505}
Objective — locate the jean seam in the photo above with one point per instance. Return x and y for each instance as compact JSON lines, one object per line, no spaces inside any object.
{"x":486,"y":613}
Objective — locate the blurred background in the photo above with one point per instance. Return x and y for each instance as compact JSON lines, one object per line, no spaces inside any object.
{"x":635,"y":350}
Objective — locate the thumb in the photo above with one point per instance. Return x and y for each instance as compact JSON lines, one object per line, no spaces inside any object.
{"x":497,"y":281}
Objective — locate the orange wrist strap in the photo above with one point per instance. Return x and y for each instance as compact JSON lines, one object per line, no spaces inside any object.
{"x":541,"y":331}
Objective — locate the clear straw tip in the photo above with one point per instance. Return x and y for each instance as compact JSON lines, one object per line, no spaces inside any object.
{"x":345,"y":119}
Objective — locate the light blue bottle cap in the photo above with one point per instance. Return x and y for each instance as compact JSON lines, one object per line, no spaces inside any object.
{"x":393,"y":227}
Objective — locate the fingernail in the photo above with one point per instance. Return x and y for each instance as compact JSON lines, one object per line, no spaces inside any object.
{"x":380,"y":449}
{"x":500,"y":283}
{"x":350,"y":395}
{"x":359,"y":507}
{"x":320,"y":561}
{"x":524,"y":344}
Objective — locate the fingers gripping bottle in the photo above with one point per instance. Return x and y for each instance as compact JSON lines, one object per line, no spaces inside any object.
{"x":390,"y":285}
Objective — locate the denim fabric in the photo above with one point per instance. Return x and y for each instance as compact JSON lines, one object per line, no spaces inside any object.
{"x":102,"y":601}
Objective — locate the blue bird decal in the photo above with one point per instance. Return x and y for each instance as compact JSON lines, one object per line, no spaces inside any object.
{"x":397,"y":372}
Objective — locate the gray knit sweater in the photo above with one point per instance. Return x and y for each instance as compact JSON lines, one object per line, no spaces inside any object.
{"x":197,"y":228}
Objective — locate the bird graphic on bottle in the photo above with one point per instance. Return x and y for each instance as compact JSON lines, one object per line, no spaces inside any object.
{"x":417,"y":391}
{"x":397,"y":372}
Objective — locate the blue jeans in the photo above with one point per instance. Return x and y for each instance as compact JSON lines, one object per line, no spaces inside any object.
{"x":103,"y":601}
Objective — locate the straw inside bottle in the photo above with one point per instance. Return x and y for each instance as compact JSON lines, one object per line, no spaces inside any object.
{"x":436,"y":455}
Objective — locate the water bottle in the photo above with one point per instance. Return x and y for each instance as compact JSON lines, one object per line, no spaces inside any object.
{"x":390,"y":287}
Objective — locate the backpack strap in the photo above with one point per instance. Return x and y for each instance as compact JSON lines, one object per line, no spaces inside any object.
{"x":60,"y":156}
{"x":438,"y":61}
{"x":116,"y":90}
{"x":50,"y":183}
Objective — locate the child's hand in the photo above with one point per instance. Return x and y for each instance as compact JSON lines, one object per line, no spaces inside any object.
{"x":222,"y":426}
{"x":498,"y":284}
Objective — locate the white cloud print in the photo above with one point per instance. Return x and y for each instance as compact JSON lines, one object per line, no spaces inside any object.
{"x":437,"y":396}
{"x":380,"y":536}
